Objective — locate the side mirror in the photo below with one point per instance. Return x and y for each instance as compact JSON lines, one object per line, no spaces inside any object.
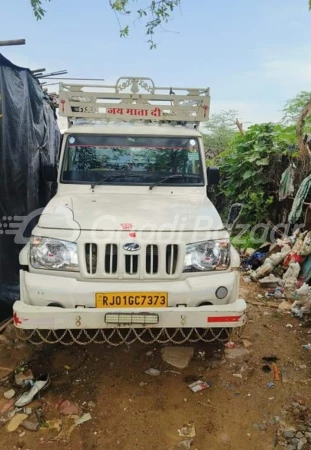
{"x":212,"y":176}
{"x":234,"y":214}
{"x":50,"y":172}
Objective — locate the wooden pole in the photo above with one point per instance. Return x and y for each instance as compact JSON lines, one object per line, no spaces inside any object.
{"x":13,"y":42}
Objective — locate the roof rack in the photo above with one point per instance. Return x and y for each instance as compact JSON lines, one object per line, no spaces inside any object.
{"x":134,"y":99}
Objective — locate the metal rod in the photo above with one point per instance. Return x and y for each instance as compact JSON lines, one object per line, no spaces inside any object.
{"x":38,"y":70}
{"x":13,"y":42}
{"x":60,"y":72}
{"x":83,"y":79}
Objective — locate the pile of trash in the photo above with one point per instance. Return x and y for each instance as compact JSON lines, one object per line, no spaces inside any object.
{"x":284,"y":270}
{"x":24,"y":406}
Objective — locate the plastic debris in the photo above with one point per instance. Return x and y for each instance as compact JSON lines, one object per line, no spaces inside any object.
{"x":289,"y":325}
{"x":276,"y":375}
{"x":187,"y":431}
{"x":199,"y":385}
{"x":153,"y":372}
{"x":270,"y":385}
{"x":307,"y":347}
{"x":85,"y":418}
{"x":237,"y":375}
{"x":230,"y":344}
{"x":9,"y":394}
{"x":270,"y":281}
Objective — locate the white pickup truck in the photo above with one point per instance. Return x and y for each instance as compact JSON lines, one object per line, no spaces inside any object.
{"x":131,"y":239}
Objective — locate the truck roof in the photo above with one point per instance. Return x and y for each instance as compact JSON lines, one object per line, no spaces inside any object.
{"x":134,"y":129}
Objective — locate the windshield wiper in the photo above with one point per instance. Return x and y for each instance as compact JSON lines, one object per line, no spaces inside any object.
{"x":114,"y":177}
{"x":176,"y":175}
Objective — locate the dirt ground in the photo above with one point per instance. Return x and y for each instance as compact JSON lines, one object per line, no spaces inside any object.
{"x":131,"y":410}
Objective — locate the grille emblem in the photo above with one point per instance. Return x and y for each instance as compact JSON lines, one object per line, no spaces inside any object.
{"x":131,"y":247}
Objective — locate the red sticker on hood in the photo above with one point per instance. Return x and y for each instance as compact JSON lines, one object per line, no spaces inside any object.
{"x":126,"y":226}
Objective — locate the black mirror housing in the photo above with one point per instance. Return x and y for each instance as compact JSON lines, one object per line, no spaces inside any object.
{"x":213,"y":176}
{"x":234,"y":214}
{"x":50,"y":172}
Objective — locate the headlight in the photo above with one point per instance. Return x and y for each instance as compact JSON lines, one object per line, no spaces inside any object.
{"x":53,"y":254}
{"x":207,"y":255}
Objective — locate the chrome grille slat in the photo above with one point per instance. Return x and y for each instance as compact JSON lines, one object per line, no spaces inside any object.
{"x":171,"y":259}
{"x":91,"y":258}
{"x":152,"y":259}
{"x":111,"y":258}
{"x":131,"y":264}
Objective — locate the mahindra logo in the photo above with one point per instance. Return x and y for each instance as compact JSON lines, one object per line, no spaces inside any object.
{"x":131,"y":247}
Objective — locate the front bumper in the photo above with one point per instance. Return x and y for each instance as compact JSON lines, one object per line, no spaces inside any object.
{"x":77,"y":303}
{"x":48,"y":317}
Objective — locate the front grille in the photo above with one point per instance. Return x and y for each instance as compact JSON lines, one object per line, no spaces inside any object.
{"x":152,"y":259}
{"x":111,"y":258}
{"x":91,"y":258}
{"x":131,"y":264}
{"x":171,"y":258}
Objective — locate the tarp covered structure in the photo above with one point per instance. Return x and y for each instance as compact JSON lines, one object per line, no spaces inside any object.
{"x":29,"y":138}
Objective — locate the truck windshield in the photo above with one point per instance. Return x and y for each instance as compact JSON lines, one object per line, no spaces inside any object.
{"x":132,"y":160}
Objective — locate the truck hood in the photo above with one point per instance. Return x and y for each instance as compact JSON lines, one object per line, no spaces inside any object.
{"x":114,"y":212}
{"x":144,"y":212}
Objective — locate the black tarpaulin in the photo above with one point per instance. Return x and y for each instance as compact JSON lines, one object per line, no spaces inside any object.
{"x":29,"y":138}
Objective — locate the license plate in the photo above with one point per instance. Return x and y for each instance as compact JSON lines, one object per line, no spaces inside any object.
{"x":131,"y":300}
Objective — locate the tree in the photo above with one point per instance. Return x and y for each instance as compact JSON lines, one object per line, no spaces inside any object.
{"x":297,"y":112}
{"x":294,"y":107}
{"x":154,"y":15}
{"x":251,"y":169}
{"x":219,"y":132}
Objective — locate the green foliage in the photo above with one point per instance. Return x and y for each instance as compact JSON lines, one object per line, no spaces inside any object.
{"x":251,"y":168}
{"x":294,"y":107}
{"x":154,"y":15}
{"x":219,"y":132}
{"x":37,"y":8}
{"x":246,"y":240}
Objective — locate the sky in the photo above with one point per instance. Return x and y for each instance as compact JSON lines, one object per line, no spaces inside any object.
{"x":254,"y":55}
